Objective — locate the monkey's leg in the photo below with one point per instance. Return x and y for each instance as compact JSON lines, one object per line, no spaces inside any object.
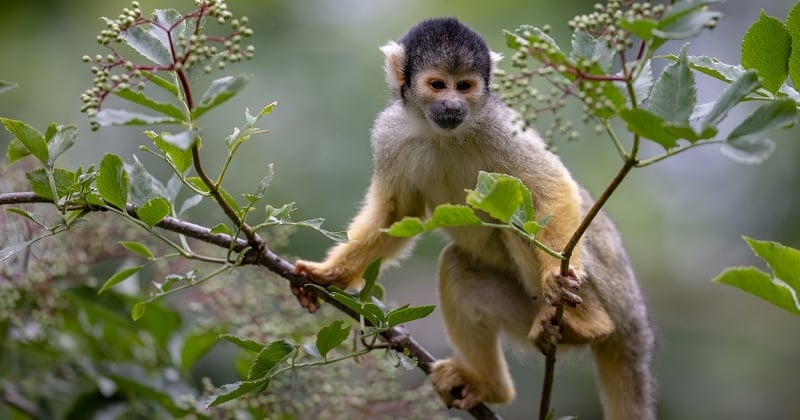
{"x":476,"y":305}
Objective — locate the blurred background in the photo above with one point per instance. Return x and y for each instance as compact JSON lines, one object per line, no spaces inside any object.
{"x":723,"y":354}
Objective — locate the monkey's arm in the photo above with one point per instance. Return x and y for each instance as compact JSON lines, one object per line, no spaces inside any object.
{"x":345,"y":263}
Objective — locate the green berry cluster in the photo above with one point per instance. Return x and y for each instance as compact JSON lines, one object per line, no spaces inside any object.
{"x":187,"y":47}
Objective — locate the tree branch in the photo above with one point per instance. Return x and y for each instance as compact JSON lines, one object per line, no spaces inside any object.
{"x":398,"y":338}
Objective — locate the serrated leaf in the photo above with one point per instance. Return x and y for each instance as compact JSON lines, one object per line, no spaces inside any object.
{"x":138,"y":248}
{"x":120,"y":276}
{"x":732,"y":95}
{"x":370,"y":278}
{"x":108,"y":117}
{"x":793,"y":26}
{"x":112,"y":181}
{"x":195,"y":346}
{"x":765,"y":48}
{"x":31,"y":138}
{"x":585,"y":46}
{"x":271,"y":356}
{"x":147,"y":43}
{"x":748,"y":149}
{"x":40,"y":182}
{"x":782,"y":287}
{"x":406,"y":227}
{"x":16,"y":151}
{"x":452,"y":215}
{"x":154,"y":211}
{"x":6,"y":86}
{"x":233,"y":391}
{"x":331,"y":336}
{"x":711,"y":66}
{"x":674,"y":94}
{"x":63,"y":138}
{"x":498,"y":195}
{"x":407,"y":314}
{"x":138,"y":97}
{"x":244,"y":343}
{"x":172,"y":20}
{"x":143,"y":185}
{"x":218,"y":92}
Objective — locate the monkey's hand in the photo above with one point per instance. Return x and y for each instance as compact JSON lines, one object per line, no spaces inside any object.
{"x":322,"y":273}
{"x":558,"y":288}
{"x":460,"y":388}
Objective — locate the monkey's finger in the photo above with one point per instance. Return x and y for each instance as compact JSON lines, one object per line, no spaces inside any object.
{"x":569,"y":282}
{"x":570,"y":298}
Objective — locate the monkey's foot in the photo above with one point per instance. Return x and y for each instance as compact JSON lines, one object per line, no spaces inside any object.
{"x":558,"y":288}
{"x":459,"y":390}
{"x":544,"y":333}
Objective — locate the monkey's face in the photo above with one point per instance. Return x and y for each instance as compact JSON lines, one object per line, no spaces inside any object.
{"x":447,"y":99}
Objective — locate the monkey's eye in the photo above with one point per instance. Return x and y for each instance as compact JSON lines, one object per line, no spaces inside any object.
{"x":438,"y":84}
{"x":463,"y":85}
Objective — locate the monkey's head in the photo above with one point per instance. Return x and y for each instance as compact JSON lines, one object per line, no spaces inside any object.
{"x":442,"y":69}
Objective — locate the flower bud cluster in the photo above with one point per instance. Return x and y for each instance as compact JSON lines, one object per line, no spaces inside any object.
{"x":190,"y":48}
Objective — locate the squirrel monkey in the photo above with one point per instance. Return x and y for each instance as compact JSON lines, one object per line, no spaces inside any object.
{"x":442,"y":126}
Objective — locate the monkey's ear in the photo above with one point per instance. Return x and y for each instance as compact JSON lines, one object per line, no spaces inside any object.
{"x":495,"y":57}
{"x":395,"y":62}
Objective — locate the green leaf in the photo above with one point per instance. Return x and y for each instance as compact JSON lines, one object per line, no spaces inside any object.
{"x":244,"y":343}
{"x":112,"y":181}
{"x":30,"y":137}
{"x":143,"y":185}
{"x":452,"y":215}
{"x":674,"y":95}
{"x":169,"y":18}
{"x":269,"y":358}
{"x":30,"y":216}
{"x":406,"y":227}
{"x":781,"y":113}
{"x":732,"y":95}
{"x":499,"y":195}
{"x":374,"y":314}
{"x":686,"y":26}
{"x":331,"y":336}
{"x":197,"y":183}
{"x":138,"y":248}
{"x":765,"y":49}
{"x":648,"y":125}
{"x":233,"y":391}
{"x":6,"y":86}
{"x":585,"y":46}
{"x":138,"y":97}
{"x":13,"y":249}
{"x":218,"y":92}
{"x":712,"y":67}
{"x":16,"y":151}
{"x":407,"y":314}
{"x":181,"y":159}
{"x":147,"y":43}
{"x":138,"y":310}
{"x":252,"y":119}
{"x":643,"y":27}
{"x":222,"y":228}
{"x":793,"y":26}
{"x":316,"y":225}
{"x":162,"y":83}
{"x":370,"y":278}
{"x":343,"y":298}
{"x":195,"y":346}
{"x":40,"y":182}
{"x":782,"y":287}
{"x":183,"y":140}
{"x":120,"y":276}
{"x":154,"y":211}
{"x":63,"y":138}
{"x":108,"y":117}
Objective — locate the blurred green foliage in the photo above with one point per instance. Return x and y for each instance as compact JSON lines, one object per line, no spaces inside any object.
{"x":723,"y":353}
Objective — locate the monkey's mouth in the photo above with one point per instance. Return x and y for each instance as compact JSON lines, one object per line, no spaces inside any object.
{"x":448,"y":121}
